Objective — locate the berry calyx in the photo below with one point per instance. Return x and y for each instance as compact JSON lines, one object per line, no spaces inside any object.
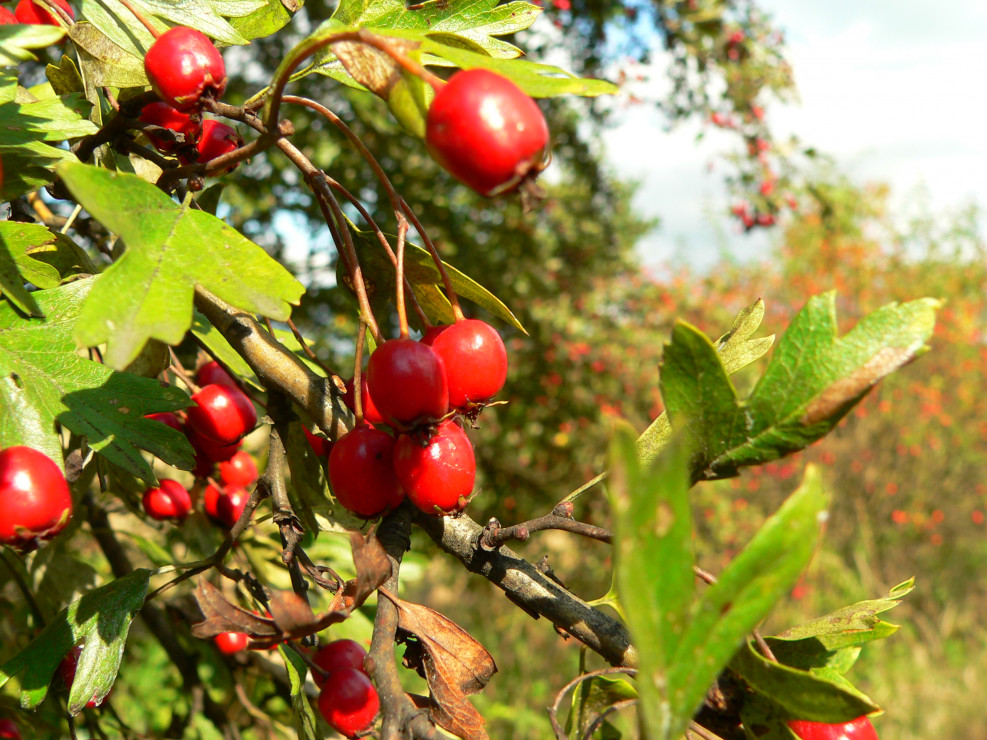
{"x":170,"y":501}
{"x":231,"y":642}
{"x":338,"y":654}
{"x":486,"y":132}
{"x":184,"y":67}
{"x":407,"y":382}
{"x":348,"y":701}
{"x":361,"y":472}
{"x":224,"y":505}
{"x":36,"y":14}
{"x":859,"y":729}
{"x":212,"y":372}
{"x":239,"y":470}
{"x":223,"y":414}
{"x":437,"y":476}
{"x":217,"y":139}
{"x":370,"y":413}
{"x":7,"y":19}
{"x":163,"y":115}
{"x":475,"y":361}
{"x":35,"y":502}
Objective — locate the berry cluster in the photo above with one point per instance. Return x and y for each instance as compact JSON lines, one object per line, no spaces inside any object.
{"x":348,"y":700}
{"x":416,"y":389}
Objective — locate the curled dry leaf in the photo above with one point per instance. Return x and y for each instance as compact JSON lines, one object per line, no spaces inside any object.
{"x":222,"y":616}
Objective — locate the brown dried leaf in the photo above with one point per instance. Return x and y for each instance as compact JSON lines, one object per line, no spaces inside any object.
{"x":222,"y":616}
{"x":292,"y":614}
{"x":372,"y":569}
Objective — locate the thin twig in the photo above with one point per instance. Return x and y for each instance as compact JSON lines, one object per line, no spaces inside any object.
{"x":553,"y":711}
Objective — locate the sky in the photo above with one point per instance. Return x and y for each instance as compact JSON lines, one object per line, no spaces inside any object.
{"x":892,"y":89}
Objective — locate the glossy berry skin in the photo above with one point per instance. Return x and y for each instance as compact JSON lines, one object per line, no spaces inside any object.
{"x":170,"y":501}
{"x":407,"y":382}
{"x":239,"y":470}
{"x":440,"y":475}
{"x":163,"y":115}
{"x":370,"y":413}
{"x":7,"y":19}
{"x":208,"y":452}
{"x":223,"y":414}
{"x":485,"y":131}
{"x":231,"y":642}
{"x":338,"y":654}
{"x":858,"y":729}
{"x":217,"y":139}
{"x":224,"y":505}
{"x":213,"y":372}
{"x":184,"y":66}
{"x":475,"y":360}
{"x":32,"y":13}
{"x":35,"y":502}
{"x":361,"y":472}
{"x":348,"y":701}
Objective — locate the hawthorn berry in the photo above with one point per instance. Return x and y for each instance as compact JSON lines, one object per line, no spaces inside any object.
{"x":338,"y":654}
{"x":348,"y":701}
{"x":212,"y":372}
{"x":7,"y":19}
{"x":231,"y":642}
{"x":486,"y":132}
{"x":320,"y":446}
{"x":217,"y":139}
{"x":370,"y":413}
{"x":36,"y":14}
{"x":184,"y":67}
{"x":859,"y":729}
{"x":224,"y":505}
{"x":35,"y":502}
{"x":167,"y":418}
{"x":239,"y":470}
{"x":432,"y":332}
{"x":475,"y":361}
{"x":163,"y":115}
{"x":210,"y":451}
{"x":170,"y":501}
{"x":407,"y":382}
{"x":438,"y":475}
{"x":223,"y":414}
{"x":361,"y":472}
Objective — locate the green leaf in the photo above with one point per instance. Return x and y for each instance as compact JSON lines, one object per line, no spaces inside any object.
{"x":43,"y":380}
{"x":16,"y":39}
{"x":101,"y":620}
{"x":103,"y":62}
{"x":264,"y":21}
{"x":218,"y":347}
{"x":11,"y":281}
{"x":29,"y":166}
{"x":812,"y":380}
{"x":30,"y":253}
{"x":591,"y":698}
{"x":171,"y":249}
{"x":65,"y":77}
{"x":55,"y":119}
{"x":306,"y":726}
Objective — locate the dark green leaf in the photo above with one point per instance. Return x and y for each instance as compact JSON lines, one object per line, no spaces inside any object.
{"x":305,"y":723}
{"x":221,"y":349}
{"x":591,"y":698}
{"x":29,"y":166}
{"x":101,"y":620}
{"x":171,"y":248}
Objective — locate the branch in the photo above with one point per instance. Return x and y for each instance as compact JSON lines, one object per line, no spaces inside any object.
{"x":561,"y":518}
{"x":530,"y":589}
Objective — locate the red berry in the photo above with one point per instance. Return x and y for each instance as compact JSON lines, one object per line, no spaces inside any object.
{"x":34,"y":498}
{"x":67,"y":669}
{"x":320,"y":446}
{"x":168,"y":418}
{"x":8,"y":728}
{"x":163,"y":115}
{"x":208,"y":452}
{"x":407,"y":381}
{"x":184,"y":66}
{"x":239,"y":470}
{"x":36,"y":14}
{"x":217,"y":139}
{"x":432,"y":333}
{"x":439,"y":474}
{"x":338,"y":654}
{"x":486,"y":132}
{"x":7,"y":19}
{"x":858,"y":729}
{"x":223,"y":414}
{"x":212,"y":372}
{"x":224,"y":505}
{"x":370,"y":413}
{"x":348,"y":701}
{"x":170,"y":501}
{"x":231,"y":642}
{"x":361,"y":472}
{"x":475,"y":361}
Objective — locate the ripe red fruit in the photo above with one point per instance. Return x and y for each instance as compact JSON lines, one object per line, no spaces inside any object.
{"x":163,"y":115}
{"x":486,"y":132}
{"x":858,"y":729}
{"x":208,"y":452}
{"x":7,"y":19}
{"x":170,"y":501}
{"x":212,"y":372}
{"x":184,"y":66}
{"x":319,"y":445}
{"x":432,"y":333}
{"x":223,"y":414}
{"x":8,"y":728}
{"x":35,"y":502}
{"x":239,"y":470}
{"x":67,"y":669}
{"x":348,"y":701}
{"x":217,"y":139}
{"x":475,"y":361}
{"x":231,"y":642}
{"x":407,"y":381}
{"x":168,"y":418}
{"x":33,"y":13}
{"x":440,"y":474}
{"x":224,"y":505}
{"x":370,"y":413}
{"x":338,"y":654}
{"x":361,"y":472}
